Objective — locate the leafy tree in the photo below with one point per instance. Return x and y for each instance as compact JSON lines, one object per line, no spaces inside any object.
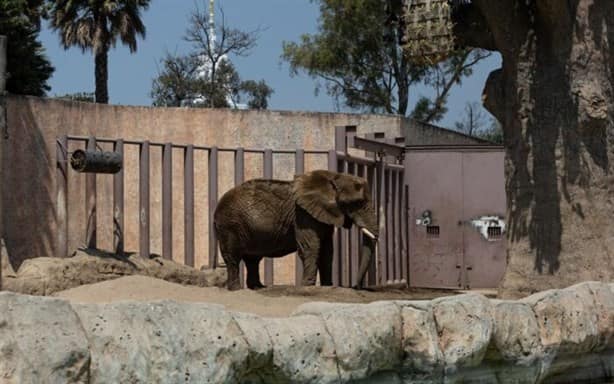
{"x":88,"y":97}
{"x":96,"y":25}
{"x":258,"y":93}
{"x":27,"y":66}
{"x":358,"y":53}
{"x":206,"y":77}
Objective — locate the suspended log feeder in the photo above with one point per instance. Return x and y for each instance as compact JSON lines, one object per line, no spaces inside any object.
{"x":428,"y":37}
{"x":96,"y":161}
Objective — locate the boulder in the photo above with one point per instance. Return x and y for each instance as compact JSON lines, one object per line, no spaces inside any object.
{"x":47,"y":275}
{"x":465,"y":324}
{"x":41,"y":341}
{"x":422,"y":354}
{"x":163,"y":342}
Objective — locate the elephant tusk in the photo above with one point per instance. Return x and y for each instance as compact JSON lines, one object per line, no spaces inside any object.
{"x":368,"y":233}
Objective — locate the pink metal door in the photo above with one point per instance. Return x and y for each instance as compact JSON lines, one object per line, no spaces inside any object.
{"x":435,"y":247}
{"x":483,"y":196}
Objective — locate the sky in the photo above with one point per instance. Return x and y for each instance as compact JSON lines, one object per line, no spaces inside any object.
{"x":130,"y":75}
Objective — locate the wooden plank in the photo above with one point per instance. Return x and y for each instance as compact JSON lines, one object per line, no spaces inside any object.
{"x":268,"y":174}
{"x":188,"y":204}
{"x":144,"y":230}
{"x":167,"y":201}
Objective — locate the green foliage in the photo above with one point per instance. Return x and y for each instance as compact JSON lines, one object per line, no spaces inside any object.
{"x":206,"y":77}
{"x":358,"y":53}
{"x":27,"y":66}
{"x":87,"y":97}
{"x":257,"y":92}
{"x":96,"y":25}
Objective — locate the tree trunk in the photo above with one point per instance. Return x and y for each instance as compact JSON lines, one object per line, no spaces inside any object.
{"x":554,"y":96}
{"x":102,"y":76}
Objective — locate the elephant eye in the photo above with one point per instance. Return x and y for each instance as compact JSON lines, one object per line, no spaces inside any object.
{"x":357,"y":186}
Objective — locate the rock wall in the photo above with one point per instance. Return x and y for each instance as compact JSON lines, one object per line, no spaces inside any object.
{"x":558,"y":336}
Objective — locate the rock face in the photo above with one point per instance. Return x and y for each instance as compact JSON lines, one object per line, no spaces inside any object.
{"x":46,"y":275}
{"x":554,"y":97}
{"x":557,"y":336}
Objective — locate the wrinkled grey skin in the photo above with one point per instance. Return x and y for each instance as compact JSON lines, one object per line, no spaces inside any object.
{"x":272,"y":218}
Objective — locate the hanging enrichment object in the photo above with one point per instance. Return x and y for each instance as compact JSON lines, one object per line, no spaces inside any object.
{"x":96,"y":161}
{"x":428,"y":37}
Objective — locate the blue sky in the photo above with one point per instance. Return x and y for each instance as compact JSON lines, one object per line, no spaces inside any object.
{"x":130,"y":75}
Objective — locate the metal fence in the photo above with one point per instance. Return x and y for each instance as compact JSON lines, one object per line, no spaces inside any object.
{"x":384,"y":173}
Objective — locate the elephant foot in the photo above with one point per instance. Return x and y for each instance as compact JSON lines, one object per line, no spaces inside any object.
{"x":256,"y":286}
{"x":234,"y":286}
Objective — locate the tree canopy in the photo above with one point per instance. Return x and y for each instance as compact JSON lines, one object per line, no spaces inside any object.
{"x":358,"y":54}
{"x":96,"y":25}
{"x":27,"y":65}
{"x":206,"y":77}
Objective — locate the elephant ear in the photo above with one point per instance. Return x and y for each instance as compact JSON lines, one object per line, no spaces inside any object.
{"x":315,"y":193}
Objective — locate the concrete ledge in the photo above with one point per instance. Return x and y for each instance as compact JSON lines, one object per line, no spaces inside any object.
{"x":556,"y":336}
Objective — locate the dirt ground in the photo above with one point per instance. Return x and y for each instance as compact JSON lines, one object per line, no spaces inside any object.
{"x":275,"y":301}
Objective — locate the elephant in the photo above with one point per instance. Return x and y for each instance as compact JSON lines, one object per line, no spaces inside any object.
{"x":273,"y":218}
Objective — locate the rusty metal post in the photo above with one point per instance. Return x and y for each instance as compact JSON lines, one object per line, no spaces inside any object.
{"x":90,"y":201}
{"x":397,"y":225}
{"x":239,"y":179}
{"x":382,"y":266}
{"x":299,"y":169}
{"x":167,"y":201}
{"x":61,"y":180}
{"x":118,"y":203}
{"x":213,"y":169}
{"x":3,"y":128}
{"x":188,"y":205}
{"x":371,"y":180}
{"x":268,"y":174}
{"x":333,"y":165}
{"x":404,"y":218}
{"x":144,"y":200}
{"x":389,"y":176}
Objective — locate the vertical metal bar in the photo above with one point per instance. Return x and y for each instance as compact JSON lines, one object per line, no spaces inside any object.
{"x":397,"y":225}
{"x":144,"y":200}
{"x":353,"y":236}
{"x":90,"y":201}
{"x":389,"y":225}
{"x":299,"y":169}
{"x":382,"y":266}
{"x":371,"y":180}
{"x":333,"y":166}
{"x":167,"y":201}
{"x":268,"y":174}
{"x":344,"y":255}
{"x":213,"y":169}
{"x":61,"y":172}
{"x":239,"y":178}
{"x":404,"y":224}
{"x":118,"y":203}
{"x":4,"y":133}
{"x":340,"y":139}
{"x":188,"y":204}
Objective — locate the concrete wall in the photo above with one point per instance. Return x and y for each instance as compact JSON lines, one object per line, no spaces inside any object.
{"x":29,"y":181}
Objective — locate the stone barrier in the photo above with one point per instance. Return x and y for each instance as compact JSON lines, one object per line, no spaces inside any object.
{"x":557,"y":336}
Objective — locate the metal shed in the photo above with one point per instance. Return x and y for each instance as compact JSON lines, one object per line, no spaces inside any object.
{"x":457,"y":207}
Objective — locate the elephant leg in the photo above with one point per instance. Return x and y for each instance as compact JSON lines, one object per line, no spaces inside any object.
{"x":325,"y":260}
{"x":232,"y":256}
{"x":253,"y":273}
{"x":310,"y":267}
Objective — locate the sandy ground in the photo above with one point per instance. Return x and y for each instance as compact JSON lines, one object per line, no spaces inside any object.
{"x":273,"y":302}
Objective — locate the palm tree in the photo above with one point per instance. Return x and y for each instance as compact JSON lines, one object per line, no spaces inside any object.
{"x":96,"y":25}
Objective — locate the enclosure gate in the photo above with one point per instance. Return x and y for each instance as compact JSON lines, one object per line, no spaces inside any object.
{"x":384,"y":173}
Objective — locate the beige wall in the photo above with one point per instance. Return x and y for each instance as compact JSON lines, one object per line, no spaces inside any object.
{"x":30,"y":169}
{"x":29,"y":181}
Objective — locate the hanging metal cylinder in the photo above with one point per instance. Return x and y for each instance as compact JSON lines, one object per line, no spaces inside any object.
{"x":96,"y":161}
